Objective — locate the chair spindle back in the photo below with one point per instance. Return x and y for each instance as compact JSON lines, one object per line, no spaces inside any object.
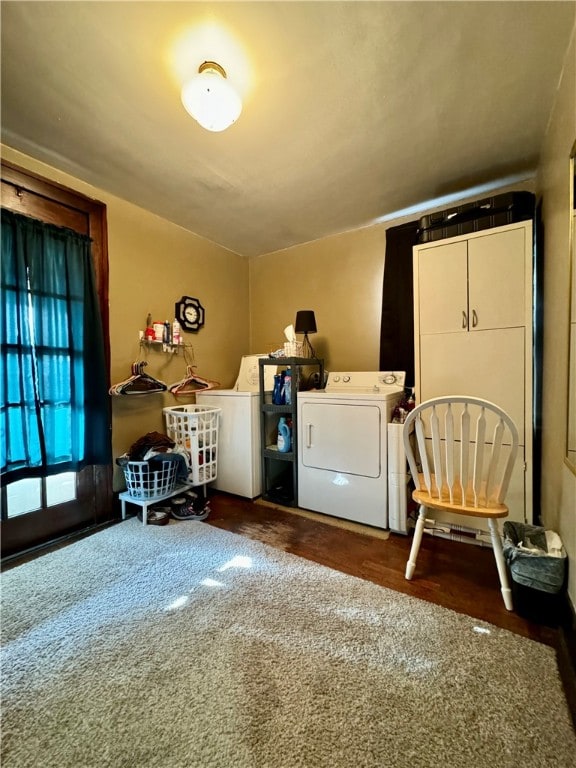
{"x":466,"y":448}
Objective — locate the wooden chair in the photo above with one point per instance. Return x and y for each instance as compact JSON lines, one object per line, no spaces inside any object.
{"x":466,"y":449}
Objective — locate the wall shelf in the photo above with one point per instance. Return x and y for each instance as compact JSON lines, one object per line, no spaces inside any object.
{"x":164,"y":346}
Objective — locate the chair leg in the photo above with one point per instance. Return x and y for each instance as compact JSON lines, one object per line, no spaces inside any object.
{"x":418,"y":530}
{"x":500,"y":564}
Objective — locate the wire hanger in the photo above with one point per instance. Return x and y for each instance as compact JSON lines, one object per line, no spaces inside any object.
{"x":192,"y":383}
{"x":139,"y":383}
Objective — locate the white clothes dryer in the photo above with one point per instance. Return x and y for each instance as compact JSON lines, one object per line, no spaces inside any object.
{"x":342,"y":445}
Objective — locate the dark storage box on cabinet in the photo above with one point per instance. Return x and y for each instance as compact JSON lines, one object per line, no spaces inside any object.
{"x":477,"y":216}
{"x":538,"y":573}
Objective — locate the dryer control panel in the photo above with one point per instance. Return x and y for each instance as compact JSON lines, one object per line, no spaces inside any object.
{"x":366,"y":382}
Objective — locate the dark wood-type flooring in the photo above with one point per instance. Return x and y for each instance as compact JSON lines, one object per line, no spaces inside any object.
{"x":452,"y":574}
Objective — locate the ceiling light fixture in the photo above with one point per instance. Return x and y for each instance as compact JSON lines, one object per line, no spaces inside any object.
{"x":210,"y":98}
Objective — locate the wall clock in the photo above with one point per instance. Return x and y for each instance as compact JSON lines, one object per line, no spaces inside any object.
{"x":189,"y":313}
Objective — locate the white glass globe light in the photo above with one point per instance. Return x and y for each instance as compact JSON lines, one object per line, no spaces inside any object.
{"x":210,"y":98}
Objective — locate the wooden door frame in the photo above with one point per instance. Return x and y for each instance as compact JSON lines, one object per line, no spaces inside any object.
{"x":30,"y":194}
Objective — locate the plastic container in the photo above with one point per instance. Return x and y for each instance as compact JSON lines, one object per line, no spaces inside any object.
{"x":288,"y":387}
{"x":277,"y":392}
{"x":146,"y":481}
{"x":195,"y":428}
{"x":284,"y":436}
{"x":176,"y":332}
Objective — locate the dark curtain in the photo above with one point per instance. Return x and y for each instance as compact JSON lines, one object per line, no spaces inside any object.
{"x":397,"y":329}
{"x":54,"y":414}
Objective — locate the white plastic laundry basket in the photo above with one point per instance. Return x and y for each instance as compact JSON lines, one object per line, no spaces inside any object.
{"x":195,"y":428}
{"x":150,"y":481}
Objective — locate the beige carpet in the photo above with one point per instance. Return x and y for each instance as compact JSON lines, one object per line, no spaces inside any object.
{"x":189,"y":647}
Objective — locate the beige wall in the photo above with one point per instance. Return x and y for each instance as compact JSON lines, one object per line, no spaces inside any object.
{"x":340,"y":278}
{"x":558,"y":482}
{"x":152,"y":264}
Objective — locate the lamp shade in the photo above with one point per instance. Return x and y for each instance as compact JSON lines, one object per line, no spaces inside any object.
{"x":210,"y":98}
{"x":305,"y":321}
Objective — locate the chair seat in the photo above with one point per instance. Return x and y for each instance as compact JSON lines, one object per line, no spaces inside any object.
{"x":456,"y":506}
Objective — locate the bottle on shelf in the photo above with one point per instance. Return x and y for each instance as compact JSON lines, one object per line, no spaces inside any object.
{"x":288,"y":387}
{"x":277,"y":391}
{"x":149,"y":332}
{"x":176,"y":333}
{"x":284,"y":436}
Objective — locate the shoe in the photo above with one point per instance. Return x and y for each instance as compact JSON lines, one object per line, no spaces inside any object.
{"x":190,"y":506}
{"x":156,"y":515}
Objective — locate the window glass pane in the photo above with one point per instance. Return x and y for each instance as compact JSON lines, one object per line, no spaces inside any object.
{"x":24,"y":496}
{"x":60,"y":488}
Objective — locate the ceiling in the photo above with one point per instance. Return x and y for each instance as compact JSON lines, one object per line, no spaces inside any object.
{"x":353,"y":111}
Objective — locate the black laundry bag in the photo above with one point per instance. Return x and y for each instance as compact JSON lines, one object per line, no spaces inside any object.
{"x":538,"y":578}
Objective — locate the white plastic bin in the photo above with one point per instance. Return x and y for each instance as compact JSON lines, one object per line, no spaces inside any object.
{"x":150,"y":481}
{"x":195,"y":428}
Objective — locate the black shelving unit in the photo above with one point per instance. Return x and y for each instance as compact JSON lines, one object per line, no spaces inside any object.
{"x":280,"y":470}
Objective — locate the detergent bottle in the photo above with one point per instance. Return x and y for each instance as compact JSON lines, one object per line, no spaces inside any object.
{"x":288,"y":387}
{"x":278,"y":391}
{"x":284,"y":441}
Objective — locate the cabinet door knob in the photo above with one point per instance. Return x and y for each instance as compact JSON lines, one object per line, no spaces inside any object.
{"x":464,"y":319}
{"x":474,"y":319}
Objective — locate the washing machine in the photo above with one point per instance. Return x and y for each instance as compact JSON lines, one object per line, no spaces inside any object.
{"x":239,"y":467}
{"x":238,"y":441}
{"x":343,"y":442}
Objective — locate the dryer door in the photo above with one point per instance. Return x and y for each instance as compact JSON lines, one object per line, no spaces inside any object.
{"x":342,"y":438}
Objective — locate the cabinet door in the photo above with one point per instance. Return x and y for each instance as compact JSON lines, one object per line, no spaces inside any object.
{"x":496,"y":273}
{"x":489,"y":364}
{"x":443,"y":288}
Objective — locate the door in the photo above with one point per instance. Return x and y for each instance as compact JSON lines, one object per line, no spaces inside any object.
{"x":496,"y":280}
{"x":443,"y":288}
{"x":489,"y":364}
{"x":342,"y":438}
{"x":473,"y":285}
{"x":36,"y":511}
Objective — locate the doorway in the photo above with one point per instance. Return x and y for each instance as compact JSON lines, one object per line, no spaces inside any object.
{"x":37,"y":511}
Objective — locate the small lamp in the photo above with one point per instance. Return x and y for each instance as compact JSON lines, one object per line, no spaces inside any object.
{"x":210,"y":98}
{"x":306,"y":323}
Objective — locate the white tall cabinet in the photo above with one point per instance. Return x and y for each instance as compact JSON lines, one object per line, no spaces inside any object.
{"x":473,"y":303}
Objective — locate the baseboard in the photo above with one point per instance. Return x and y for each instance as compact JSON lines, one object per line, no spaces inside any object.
{"x":566,"y":656}
{"x":49,"y":546}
